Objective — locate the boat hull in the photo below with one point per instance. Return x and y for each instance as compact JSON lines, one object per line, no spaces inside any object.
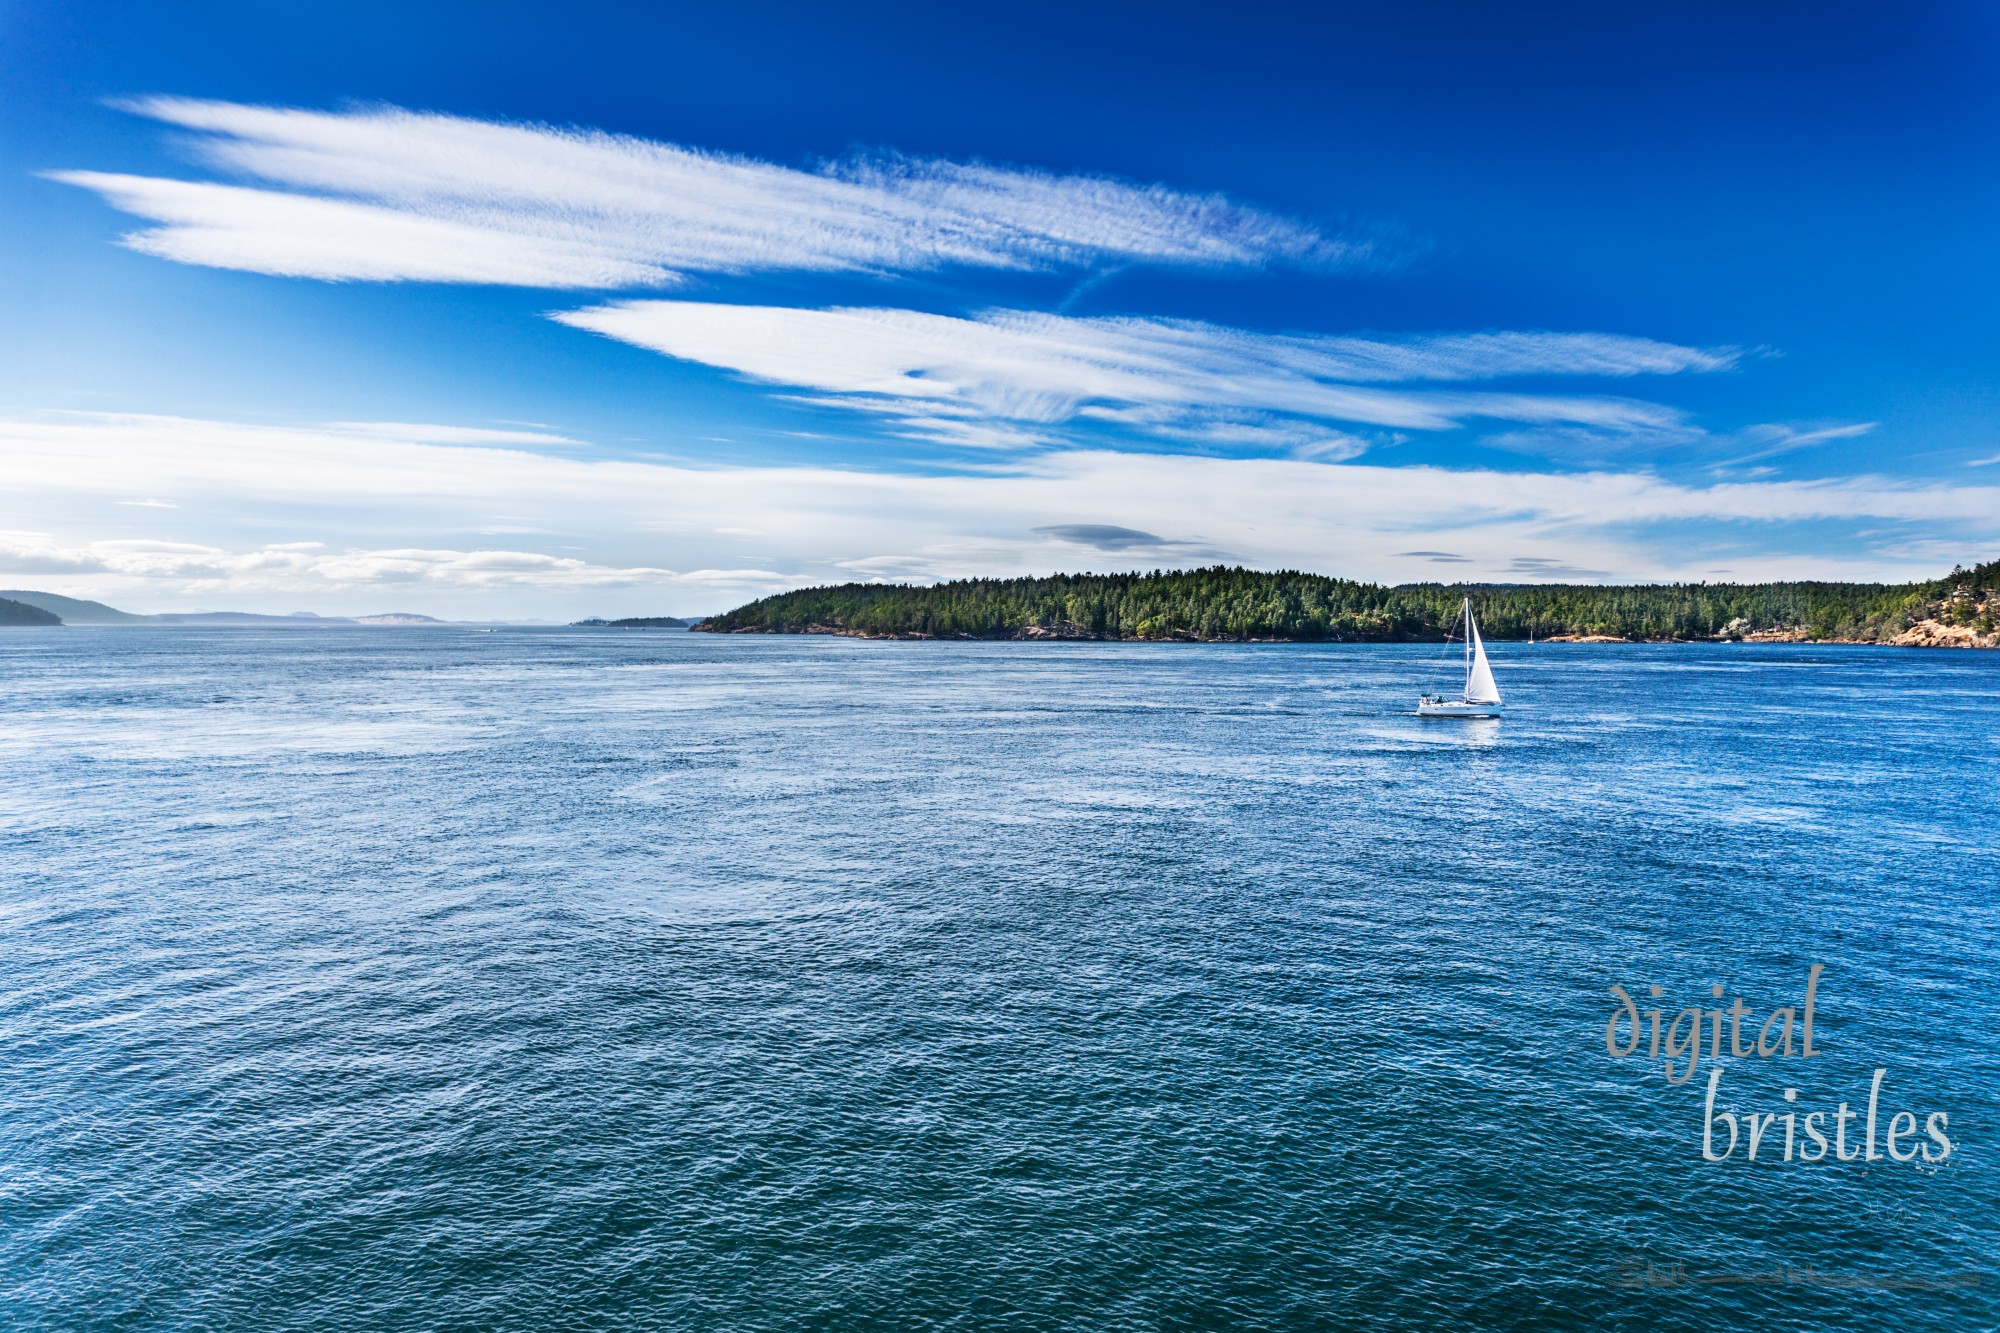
{"x":1458,"y":709}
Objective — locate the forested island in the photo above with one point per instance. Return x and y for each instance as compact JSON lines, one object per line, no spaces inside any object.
{"x":633,"y":622}
{"x":1225,"y":604}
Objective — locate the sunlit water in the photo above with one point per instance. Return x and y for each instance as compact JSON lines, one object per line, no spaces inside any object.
{"x":414,"y":979}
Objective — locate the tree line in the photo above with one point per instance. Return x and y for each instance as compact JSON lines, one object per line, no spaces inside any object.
{"x":1234,"y":603}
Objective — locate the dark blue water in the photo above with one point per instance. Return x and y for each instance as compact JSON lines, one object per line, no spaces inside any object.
{"x":567,"y":980}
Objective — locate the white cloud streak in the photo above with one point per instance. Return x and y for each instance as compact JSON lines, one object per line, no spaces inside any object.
{"x":367,"y":514}
{"x":385,"y":194}
{"x":421,"y":433}
{"x":997,"y":378}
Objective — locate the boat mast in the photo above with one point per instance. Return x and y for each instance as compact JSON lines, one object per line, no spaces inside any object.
{"x":1468,"y":650}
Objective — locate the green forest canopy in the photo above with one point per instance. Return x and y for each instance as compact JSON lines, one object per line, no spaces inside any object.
{"x":1226,"y":603}
{"x":20,"y":613}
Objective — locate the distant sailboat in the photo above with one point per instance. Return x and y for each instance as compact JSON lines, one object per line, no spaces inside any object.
{"x":1480,"y":697}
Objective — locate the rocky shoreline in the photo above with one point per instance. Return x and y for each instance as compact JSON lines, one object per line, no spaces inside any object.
{"x":1932,"y":634}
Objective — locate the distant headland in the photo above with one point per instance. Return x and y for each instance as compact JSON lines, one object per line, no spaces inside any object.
{"x":25,"y":613}
{"x":1243,"y":605}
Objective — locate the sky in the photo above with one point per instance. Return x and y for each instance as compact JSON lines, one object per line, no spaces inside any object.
{"x":532,"y":311}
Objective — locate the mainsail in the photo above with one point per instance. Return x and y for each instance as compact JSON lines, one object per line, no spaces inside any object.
{"x":1479,"y":686}
{"x":1482,"y":696}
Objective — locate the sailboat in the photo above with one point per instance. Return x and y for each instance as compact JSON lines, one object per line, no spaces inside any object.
{"x":1480,"y":697}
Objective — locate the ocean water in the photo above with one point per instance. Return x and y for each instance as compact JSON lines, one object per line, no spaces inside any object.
{"x":549,"y":979}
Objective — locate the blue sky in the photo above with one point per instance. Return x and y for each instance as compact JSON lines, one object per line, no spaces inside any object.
{"x":550,"y":311}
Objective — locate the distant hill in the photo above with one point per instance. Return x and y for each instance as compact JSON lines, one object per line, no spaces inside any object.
{"x":296,"y":620}
{"x":24,"y":613}
{"x":1242,"y":604}
{"x":73,"y":610}
{"x":76,"y":611}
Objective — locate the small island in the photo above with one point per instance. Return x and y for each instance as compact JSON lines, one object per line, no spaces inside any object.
{"x":1250,"y":606}
{"x":633,"y":622}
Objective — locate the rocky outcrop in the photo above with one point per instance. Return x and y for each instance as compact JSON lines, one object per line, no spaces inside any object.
{"x":1935,"y":634}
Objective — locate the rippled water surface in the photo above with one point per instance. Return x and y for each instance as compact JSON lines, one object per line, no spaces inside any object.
{"x":413,"y":979}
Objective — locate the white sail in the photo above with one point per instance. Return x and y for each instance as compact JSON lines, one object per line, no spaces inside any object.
{"x":1479,"y":686}
{"x":1482,"y":696}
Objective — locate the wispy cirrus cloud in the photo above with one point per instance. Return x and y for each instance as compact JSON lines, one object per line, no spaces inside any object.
{"x":388,"y":194}
{"x":1754,"y":444}
{"x":1591,"y":444}
{"x":385,"y":194}
{"x":1006,"y":376}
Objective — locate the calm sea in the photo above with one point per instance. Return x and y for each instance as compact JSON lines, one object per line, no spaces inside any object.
{"x":548,"y":980}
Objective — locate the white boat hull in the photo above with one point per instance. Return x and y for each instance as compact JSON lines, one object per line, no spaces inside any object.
{"x":1457,"y":708}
